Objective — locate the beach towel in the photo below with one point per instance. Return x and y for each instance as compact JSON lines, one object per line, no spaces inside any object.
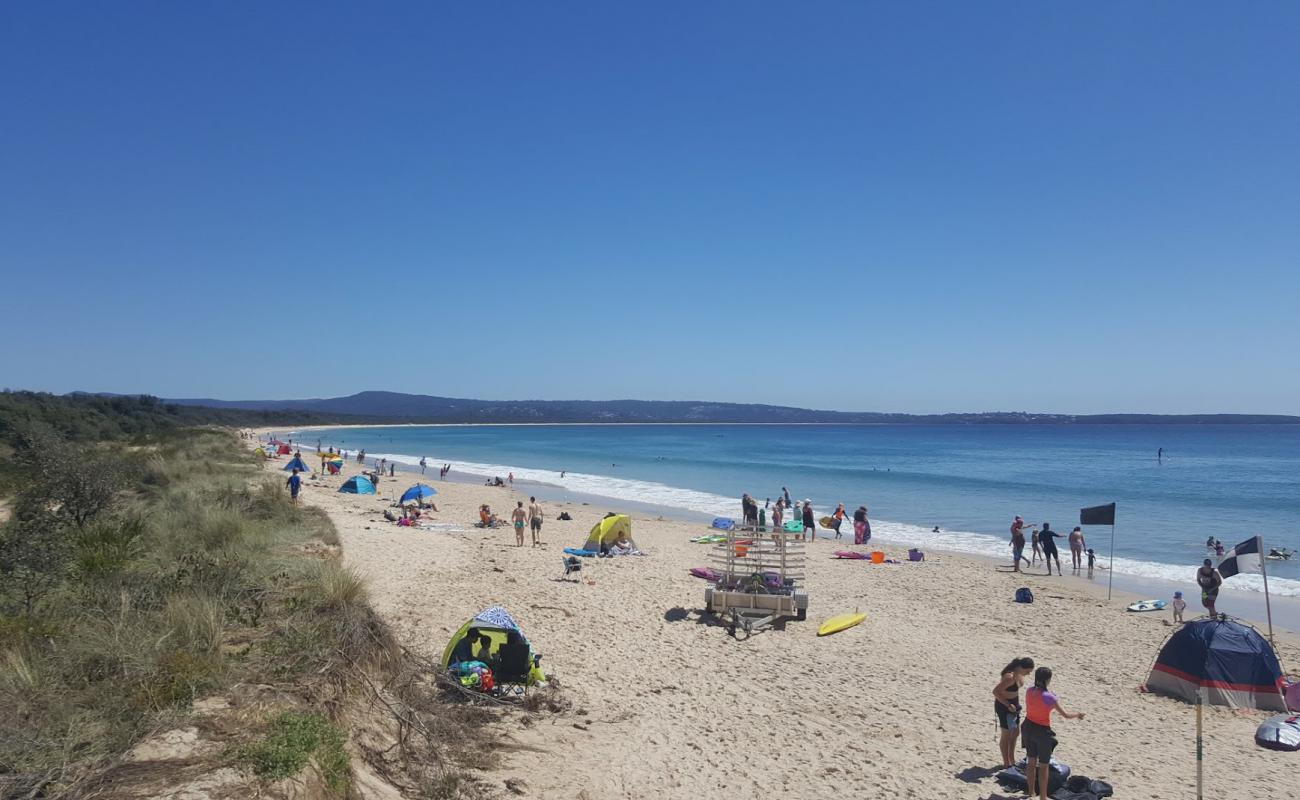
{"x":851,"y":555}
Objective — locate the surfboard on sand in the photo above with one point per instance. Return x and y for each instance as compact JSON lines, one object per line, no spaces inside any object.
{"x":839,"y":623}
{"x":849,"y":554}
{"x":1147,"y":605}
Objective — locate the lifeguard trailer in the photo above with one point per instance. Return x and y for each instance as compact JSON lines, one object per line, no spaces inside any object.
{"x":762,"y":573}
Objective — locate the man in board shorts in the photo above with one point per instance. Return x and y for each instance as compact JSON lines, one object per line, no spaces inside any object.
{"x":518,"y":516}
{"x":535,"y":520}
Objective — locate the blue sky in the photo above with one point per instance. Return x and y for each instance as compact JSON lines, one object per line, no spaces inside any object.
{"x":903,"y":207}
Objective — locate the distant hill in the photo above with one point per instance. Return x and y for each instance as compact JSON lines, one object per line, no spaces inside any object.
{"x":399,"y":407}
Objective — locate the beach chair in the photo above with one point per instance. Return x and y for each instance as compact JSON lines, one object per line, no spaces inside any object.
{"x":572,"y":564}
{"x":513,"y":665}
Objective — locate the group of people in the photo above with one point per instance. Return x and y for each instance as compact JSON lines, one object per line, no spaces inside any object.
{"x":532,"y":517}
{"x":1044,"y":546}
{"x":1036,"y":730}
{"x":750,"y":513}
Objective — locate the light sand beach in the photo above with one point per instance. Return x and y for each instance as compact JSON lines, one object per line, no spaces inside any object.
{"x":666,"y":703}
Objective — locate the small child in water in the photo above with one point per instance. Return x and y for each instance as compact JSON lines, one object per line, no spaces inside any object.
{"x":1092,"y":559}
{"x":1179,"y":605}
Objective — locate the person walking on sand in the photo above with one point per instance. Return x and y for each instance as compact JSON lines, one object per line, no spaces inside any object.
{"x":535,"y":520}
{"x":1037,"y":734}
{"x":1077,"y":546}
{"x":1006,"y":707}
{"x":1209,"y":579}
{"x":510,"y":478}
{"x":1047,"y":538}
{"x":295,"y":485}
{"x":809,"y":524}
{"x":424,"y":462}
{"x":1036,"y":544}
{"x":838,"y":517}
{"x":519,"y":517}
{"x":861,"y":526}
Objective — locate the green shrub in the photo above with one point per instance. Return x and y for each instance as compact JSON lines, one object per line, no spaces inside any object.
{"x":292,"y":739}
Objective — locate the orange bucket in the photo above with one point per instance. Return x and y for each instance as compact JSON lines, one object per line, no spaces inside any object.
{"x":741,"y":551}
{"x":877,"y":556}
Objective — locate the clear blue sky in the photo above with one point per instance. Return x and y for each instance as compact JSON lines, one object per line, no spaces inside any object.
{"x":1069,"y":207}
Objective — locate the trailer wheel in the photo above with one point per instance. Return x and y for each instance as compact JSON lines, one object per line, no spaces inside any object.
{"x":802,"y":615}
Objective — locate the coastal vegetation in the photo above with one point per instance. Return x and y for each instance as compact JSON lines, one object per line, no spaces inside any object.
{"x":148,"y":570}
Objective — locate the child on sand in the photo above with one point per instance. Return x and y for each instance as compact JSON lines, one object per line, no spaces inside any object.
{"x":1037,"y":734}
{"x":1180,"y":605}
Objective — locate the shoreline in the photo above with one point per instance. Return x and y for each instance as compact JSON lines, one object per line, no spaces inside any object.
{"x":1241,"y":603}
{"x":641,"y":663}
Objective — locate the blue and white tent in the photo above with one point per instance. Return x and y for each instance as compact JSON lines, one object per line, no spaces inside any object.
{"x":358,"y":484}
{"x":1231,"y":662}
{"x":298,"y":464}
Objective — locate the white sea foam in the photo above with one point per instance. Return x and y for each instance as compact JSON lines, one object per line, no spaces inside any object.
{"x":677,"y":498}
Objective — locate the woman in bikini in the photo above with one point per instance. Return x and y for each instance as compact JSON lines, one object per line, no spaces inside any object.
{"x":1006,"y":706}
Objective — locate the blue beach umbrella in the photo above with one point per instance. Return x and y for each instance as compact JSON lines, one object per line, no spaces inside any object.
{"x":418,"y":492}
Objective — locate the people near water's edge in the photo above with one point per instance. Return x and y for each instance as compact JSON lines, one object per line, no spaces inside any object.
{"x":1092,"y":559}
{"x":838,"y":519}
{"x":778,"y":514}
{"x":1035,"y":544}
{"x":424,"y":463}
{"x":1006,"y":707}
{"x":535,"y":520}
{"x":1036,"y":732}
{"x":861,"y":526}
{"x":519,"y":517}
{"x":1179,"y":605}
{"x":809,"y":524}
{"x":295,"y":485}
{"x":1077,"y":546}
{"x":1047,"y":539}
{"x":1209,"y":579}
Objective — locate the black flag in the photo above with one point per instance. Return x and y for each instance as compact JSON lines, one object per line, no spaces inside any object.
{"x":1243,"y":558}
{"x":1097,"y":515}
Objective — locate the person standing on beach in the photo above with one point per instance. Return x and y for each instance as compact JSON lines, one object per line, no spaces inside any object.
{"x":1037,"y":734}
{"x":861,"y":526}
{"x":1076,"y":547}
{"x":1209,"y":579}
{"x":809,"y":524}
{"x":1018,"y":542}
{"x":786,"y":494}
{"x":839,"y":516}
{"x":1036,"y":544}
{"x":535,"y":520}
{"x":519,"y":516}
{"x":511,"y":478}
{"x":1006,"y":707}
{"x":778,"y":514}
{"x":295,"y":485}
{"x":1047,"y":538}
{"x":424,"y":462}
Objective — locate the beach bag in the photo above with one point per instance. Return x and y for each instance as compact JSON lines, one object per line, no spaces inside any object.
{"x":915,"y":555}
{"x":1084,"y":787}
{"x":1023,"y":595}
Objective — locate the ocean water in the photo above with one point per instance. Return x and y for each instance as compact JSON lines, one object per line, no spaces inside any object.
{"x":1229,"y":481}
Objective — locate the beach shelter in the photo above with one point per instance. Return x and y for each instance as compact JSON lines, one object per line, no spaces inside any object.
{"x":483,"y":636}
{"x":357,"y":484}
{"x":607,"y":530}
{"x":260,"y":452}
{"x":297,"y":464}
{"x":1231,"y":661}
{"x":417,"y":493}
{"x":283,"y":450}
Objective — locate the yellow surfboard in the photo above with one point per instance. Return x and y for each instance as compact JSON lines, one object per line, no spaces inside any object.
{"x":839,"y":623}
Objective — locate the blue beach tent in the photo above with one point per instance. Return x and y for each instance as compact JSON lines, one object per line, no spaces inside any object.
{"x":1233,"y":664}
{"x":417,"y":493}
{"x":298,"y":464}
{"x":358,"y":484}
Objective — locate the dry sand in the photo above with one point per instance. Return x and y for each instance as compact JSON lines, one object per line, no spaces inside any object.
{"x":667,"y":704}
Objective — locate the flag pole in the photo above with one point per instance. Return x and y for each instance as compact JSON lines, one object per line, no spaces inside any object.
{"x":1200,"y":753}
{"x":1110,"y":579}
{"x":1268,"y":607}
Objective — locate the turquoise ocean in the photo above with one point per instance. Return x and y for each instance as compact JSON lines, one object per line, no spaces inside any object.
{"x":1226,"y":481}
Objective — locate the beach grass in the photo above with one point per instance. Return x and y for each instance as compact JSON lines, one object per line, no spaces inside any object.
{"x":197,"y":574}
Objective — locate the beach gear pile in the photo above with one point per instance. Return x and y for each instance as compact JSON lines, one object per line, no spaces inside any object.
{"x":1061,"y":784}
{"x":474,"y":675}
